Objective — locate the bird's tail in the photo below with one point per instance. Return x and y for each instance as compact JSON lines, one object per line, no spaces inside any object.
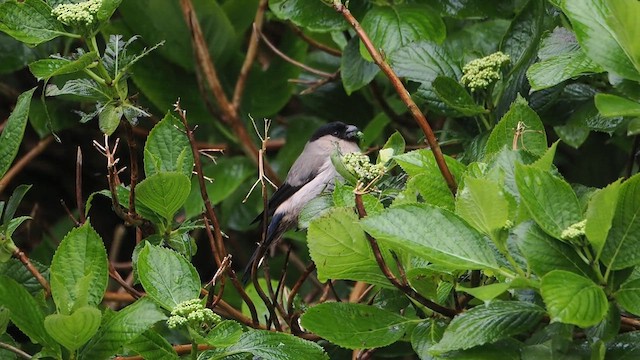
{"x":274,"y":233}
{"x":247,"y":270}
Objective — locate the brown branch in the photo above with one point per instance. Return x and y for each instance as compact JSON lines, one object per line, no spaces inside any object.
{"x":133,"y":167}
{"x":118,"y":297}
{"x":205,"y":63}
{"x":32,"y":269}
{"x":314,"y":43}
{"x":79,"y":198}
{"x":180,"y":349}
{"x":24,"y":161}
{"x":314,"y":86}
{"x":15,"y":350}
{"x":128,"y":288}
{"x":252,"y":51}
{"x":402,"y":92}
{"x":632,"y":322}
{"x":69,"y":213}
{"x":404,"y":287}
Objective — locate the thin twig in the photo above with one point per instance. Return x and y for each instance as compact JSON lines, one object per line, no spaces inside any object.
{"x":15,"y":350}
{"x":296,"y":287}
{"x":113,"y":273}
{"x":314,"y":43}
{"x":24,"y":161}
{"x":79,"y":198}
{"x":405,"y":288}
{"x":133,"y":167}
{"x":180,"y":349}
{"x":69,"y":213}
{"x":314,"y":86}
{"x":252,"y":51}
{"x":24,"y":259}
{"x":402,"y":92}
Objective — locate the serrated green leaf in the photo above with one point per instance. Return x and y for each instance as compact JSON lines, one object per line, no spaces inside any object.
{"x":340,"y":249}
{"x":590,"y":23}
{"x":552,"y":71}
{"x":73,"y":331}
{"x":151,"y":345}
{"x":163,"y":193}
{"x":628,"y":296}
{"x":423,"y":161}
{"x":545,"y":162}
{"x":485,"y":292}
{"x":575,"y":131}
{"x":355,"y":71}
{"x":425,"y":335}
{"x":520,"y":117}
{"x":624,"y":346}
{"x":226,"y":333}
{"x":355,"y":326}
{"x":600,"y":211}
{"x":86,"y":89}
{"x":608,"y":328}
{"x":107,"y":7}
{"x":613,"y":105}
{"x":167,"y":277}
{"x":275,"y":346}
{"x":25,"y":312}
{"x":167,"y":148}
{"x":483,"y":204}
{"x":456,"y":97}
{"x":13,"y":131}
{"x":109,"y":118}
{"x":544,"y":253}
{"x":432,"y":233}
{"x":15,"y":270}
{"x":573,"y":299}
{"x":622,"y":247}
{"x":393,"y":27}
{"x":549,"y":199}
{"x":47,"y":68}
{"x":13,"y":202}
{"x":626,"y":30}
{"x":315,"y":16}
{"x":79,"y":272}
{"x":29,"y":21}
{"x":486,"y":324}
{"x":120,"y":328}
{"x":423,"y":61}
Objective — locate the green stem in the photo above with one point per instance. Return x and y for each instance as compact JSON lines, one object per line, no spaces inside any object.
{"x":95,"y":76}
{"x":93,"y":46}
{"x":194,"y":350}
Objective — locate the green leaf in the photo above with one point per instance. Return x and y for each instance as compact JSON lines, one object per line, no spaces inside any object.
{"x":423,"y":161}
{"x":314,"y":16}
{"x":549,"y":199}
{"x":532,"y":138}
{"x":109,"y":118}
{"x":624,"y":346}
{"x":600,"y":211}
{"x":355,"y":326}
{"x":79,"y":272}
{"x":395,"y":145}
{"x":355,"y":71}
{"x":13,"y":203}
{"x":16,"y":55}
{"x":120,"y":328}
{"x":47,"y":68}
{"x":575,"y":131}
{"x":164,"y":193}
{"x":544,"y":253}
{"x":573,"y":299}
{"x":167,"y":148}
{"x":425,"y":335}
{"x":483,"y":204}
{"x":456,"y":97}
{"x":29,"y":21}
{"x":226,"y":333}
{"x":393,"y":27}
{"x":13,"y":131}
{"x":107,"y":7}
{"x":628,"y":296}
{"x":15,"y":270}
{"x":545,"y":162}
{"x":25,"y":312}
{"x":608,"y":328}
{"x":626,"y":30}
{"x":151,"y":345}
{"x":85,"y":89}
{"x":622,"y":248}
{"x":423,"y":62}
{"x":590,"y":23}
{"x":486,"y":292}
{"x":73,"y":331}
{"x":432,"y":233}
{"x":486,"y":324}
{"x":340,"y":249}
{"x":167,"y":277}
{"x":275,"y":346}
{"x":613,"y":105}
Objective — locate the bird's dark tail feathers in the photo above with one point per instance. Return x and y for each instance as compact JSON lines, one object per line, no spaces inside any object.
{"x":274,"y":233}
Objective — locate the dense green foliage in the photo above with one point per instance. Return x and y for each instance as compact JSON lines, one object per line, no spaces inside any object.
{"x":530,"y":250}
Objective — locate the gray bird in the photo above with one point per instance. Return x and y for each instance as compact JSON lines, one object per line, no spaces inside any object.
{"x":311,"y":174}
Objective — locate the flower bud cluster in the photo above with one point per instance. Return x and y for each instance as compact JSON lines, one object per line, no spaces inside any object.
{"x":83,"y":13}
{"x":193,"y":313}
{"x":359,"y":165}
{"x":481,"y":73}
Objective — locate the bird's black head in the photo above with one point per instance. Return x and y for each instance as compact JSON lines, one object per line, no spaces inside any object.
{"x":337,"y":129}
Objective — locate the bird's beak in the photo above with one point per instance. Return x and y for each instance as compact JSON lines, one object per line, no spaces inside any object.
{"x":353,"y":132}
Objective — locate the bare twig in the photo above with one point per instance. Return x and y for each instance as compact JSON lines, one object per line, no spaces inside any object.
{"x":24,"y":161}
{"x":405,"y":288}
{"x":314,"y":43}
{"x":79,"y":198}
{"x":180,"y":349}
{"x":314,"y":86}
{"x":296,"y":287}
{"x":24,"y":259}
{"x":133,"y":167}
{"x":15,"y":350}
{"x":69,"y":213}
{"x":402,"y":92}
{"x":113,"y":273}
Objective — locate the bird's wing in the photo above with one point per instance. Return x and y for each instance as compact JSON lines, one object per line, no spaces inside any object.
{"x":284,"y":192}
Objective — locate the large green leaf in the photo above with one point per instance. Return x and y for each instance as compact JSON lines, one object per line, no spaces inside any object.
{"x":573,"y":299}
{"x":79,"y":272}
{"x":355,"y":71}
{"x":485,"y":324}
{"x":625,"y":28}
{"x":393,"y":27}
{"x":167,"y":277}
{"x":340,"y":249}
{"x":167,"y":148}
{"x":109,"y":118}
{"x":29,"y":21}
{"x":600,"y":211}
{"x":423,"y":161}
{"x":425,"y":335}
{"x":355,"y":326}
{"x":549,"y":199}
{"x":624,"y":346}
{"x":622,"y":248}
{"x":313,"y":15}
{"x":120,"y":328}
{"x":520,"y":117}
{"x":15,"y":270}
{"x":47,"y":68}
{"x":73,"y":331}
{"x":456,"y":97}
{"x":432,"y":233}
{"x":590,"y":20}
{"x":164,"y":193}
{"x":628,"y":296}
{"x":25,"y":312}
{"x":151,"y":345}
{"x":613,"y":105}
{"x":14,"y":130}
{"x":16,"y":55}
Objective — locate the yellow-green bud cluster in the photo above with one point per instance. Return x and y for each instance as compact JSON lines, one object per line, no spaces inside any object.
{"x":193,"y":313}
{"x":480,"y":73}
{"x":574,"y":230}
{"x":83,"y":13}
{"x":359,"y":165}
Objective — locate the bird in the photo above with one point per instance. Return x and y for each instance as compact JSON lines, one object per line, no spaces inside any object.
{"x":311,"y":174}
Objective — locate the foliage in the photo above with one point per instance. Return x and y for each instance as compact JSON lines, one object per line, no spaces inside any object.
{"x":521,"y":241}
